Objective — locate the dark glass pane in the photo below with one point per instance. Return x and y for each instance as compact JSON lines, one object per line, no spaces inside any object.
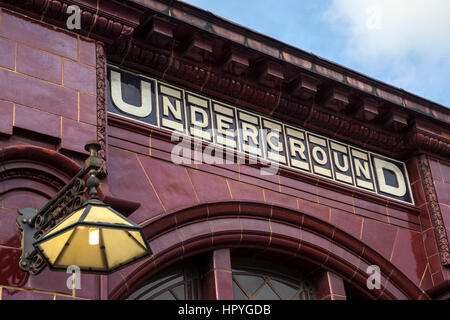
{"x":266,"y":293}
{"x":286,"y":292}
{"x":160,"y":288}
{"x":249,"y":283}
{"x":179,"y":292}
{"x":238,"y":294}
{"x":165,"y":296}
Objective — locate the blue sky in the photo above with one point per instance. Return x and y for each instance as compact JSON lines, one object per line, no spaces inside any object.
{"x":405,"y":43}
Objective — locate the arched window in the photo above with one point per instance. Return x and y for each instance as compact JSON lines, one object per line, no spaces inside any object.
{"x":250,"y":282}
{"x":261,"y":285}
{"x":177,"y":283}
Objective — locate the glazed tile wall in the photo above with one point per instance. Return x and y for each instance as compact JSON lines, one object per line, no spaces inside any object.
{"x":167,"y":188}
{"x":59,"y":90}
{"x":46,"y":76}
{"x":43,"y":103}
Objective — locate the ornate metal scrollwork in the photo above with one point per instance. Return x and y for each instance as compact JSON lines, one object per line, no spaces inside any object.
{"x":34,"y":224}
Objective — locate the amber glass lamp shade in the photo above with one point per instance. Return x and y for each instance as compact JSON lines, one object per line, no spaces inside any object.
{"x":96,"y":238}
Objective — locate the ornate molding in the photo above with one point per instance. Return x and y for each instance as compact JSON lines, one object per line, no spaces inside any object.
{"x":101,"y":107}
{"x":297,"y":94}
{"x":435,"y":211}
{"x":32,"y":174}
{"x":430,"y":143}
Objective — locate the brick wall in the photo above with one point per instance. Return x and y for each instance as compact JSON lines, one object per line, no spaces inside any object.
{"x":48,"y":99}
{"x":47,"y":84}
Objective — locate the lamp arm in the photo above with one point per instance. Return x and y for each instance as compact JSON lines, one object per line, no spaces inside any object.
{"x":34,"y":223}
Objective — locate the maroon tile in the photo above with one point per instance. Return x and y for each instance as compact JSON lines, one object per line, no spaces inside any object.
{"x":6,"y":120}
{"x":166,"y":241}
{"x":347,"y":222}
{"x":257,"y":181}
{"x":328,"y":285}
{"x":297,"y":184}
{"x":413,"y":170}
{"x":209,"y":187}
{"x":129,"y":146}
{"x":443,"y":192}
{"x":124,"y":134}
{"x":225,"y":225}
{"x":285,"y":230}
{"x":23,"y":199}
{"x":223,"y":209}
{"x":79,"y":77}
{"x":402,"y":215}
{"x":11,"y":294}
{"x":287,"y":215}
{"x":445,"y":212}
{"x":379,"y":236}
{"x":445,"y":168}
{"x":40,"y":94}
{"x":255,"y":209}
{"x":332,"y":195}
{"x":426,"y":282}
{"x":39,"y":64}
{"x":368,"y":205}
{"x":194,"y":230}
{"x":221,"y":259}
{"x":88,"y":109}
{"x":260,"y":226}
{"x":171,"y":182}
{"x":315,"y":210}
{"x":435,"y":263}
{"x":88,"y":52}
{"x":224,"y":285}
{"x":279,"y":199}
{"x":33,"y":120}
{"x":372,"y":215}
{"x":39,"y":36}
{"x":418,"y":193}
{"x":10,"y":233}
{"x":429,"y":240}
{"x":409,"y":254}
{"x":7,"y":54}
{"x":48,"y":280}
{"x":243,"y":191}
{"x":346,"y":206}
{"x":11,"y":275}
{"x":75,"y":135}
{"x":313,"y":239}
{"x":127,"y":180}
{"x":435,"y":169}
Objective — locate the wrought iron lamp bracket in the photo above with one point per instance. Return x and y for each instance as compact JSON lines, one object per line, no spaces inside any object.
{"x":34,"y":223}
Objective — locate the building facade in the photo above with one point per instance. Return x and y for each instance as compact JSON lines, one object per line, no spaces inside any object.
{"x":256,"y":170}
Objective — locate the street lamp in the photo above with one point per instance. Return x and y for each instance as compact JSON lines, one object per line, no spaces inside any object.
{"x":72,"y":230}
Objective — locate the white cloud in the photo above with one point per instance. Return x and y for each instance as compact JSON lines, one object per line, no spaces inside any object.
{"x":409,"y":40}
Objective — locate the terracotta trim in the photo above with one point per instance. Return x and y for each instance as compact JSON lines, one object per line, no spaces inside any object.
{"x":120,"y":33}
{"x":102,"y":123}
{"x":435,"y":211}
{"x":162,"y":135}
{"x":262,"y":239}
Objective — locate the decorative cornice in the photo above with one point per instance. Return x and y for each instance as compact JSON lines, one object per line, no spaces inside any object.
{"x":32,"y":174}
{"x":313,"y":93}
{"x":435,"y":211}
{"x":101,"y":107}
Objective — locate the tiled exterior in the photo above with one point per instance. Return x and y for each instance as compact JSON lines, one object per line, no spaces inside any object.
{"x":48,"y":99}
